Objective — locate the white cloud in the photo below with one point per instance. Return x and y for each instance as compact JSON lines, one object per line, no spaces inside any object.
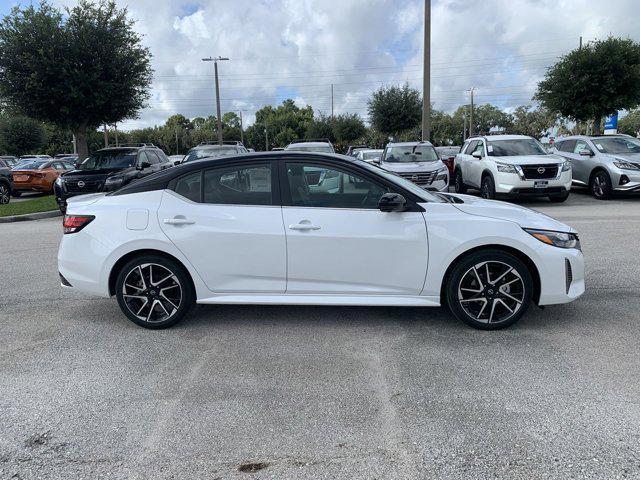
{"x":298,"y":48}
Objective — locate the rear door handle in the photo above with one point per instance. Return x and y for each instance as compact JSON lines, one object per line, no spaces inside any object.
{"x":303,"y":226}
{"x":178,"y":221}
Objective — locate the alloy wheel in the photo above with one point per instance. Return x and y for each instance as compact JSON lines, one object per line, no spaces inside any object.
{"x":152,"y":292}
{"x":599,"y":186}
{"x":5,"y":196}
{"x":491,"y":292}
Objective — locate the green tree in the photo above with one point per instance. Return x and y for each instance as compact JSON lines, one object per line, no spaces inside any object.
{"x":589,"y":83}
{"x":20,"y":135}
{"x":393,"y":110}
{"x":347,"y":127}
{"x":321,"y":127}
{"x":487,"y":116}
{"x":630,"y":124}
{"x":284,"y":123}
{"x":531,"y":121}
{"x":77,"y":70}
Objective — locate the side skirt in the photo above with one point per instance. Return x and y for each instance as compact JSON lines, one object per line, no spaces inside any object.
{"x":303,"y":299}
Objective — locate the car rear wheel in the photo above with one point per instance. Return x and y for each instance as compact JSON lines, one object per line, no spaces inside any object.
{"x":489,"y":289}
{"x":600,"y":185}
{"x":488,"y":189}
{"x":459,"y":185}
{"x":5,"y":194}
{"x":154,"y":292}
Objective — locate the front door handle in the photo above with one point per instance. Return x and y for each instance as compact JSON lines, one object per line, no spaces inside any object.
{"x":303,"y":226}
{"x":178,"y":221}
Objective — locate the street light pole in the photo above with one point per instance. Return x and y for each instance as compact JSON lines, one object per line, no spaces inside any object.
{"x":471,"y":125}
{"x":215,"y":61}
{"x":426,"y":74}
{"x":241,"y":129}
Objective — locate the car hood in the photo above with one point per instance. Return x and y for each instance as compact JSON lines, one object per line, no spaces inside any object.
{"x":525,"y":217}
{"x":412,"y":166}
{"x":628,"y":157}
{"x":106,"y":172}
{"x":530,"y":159}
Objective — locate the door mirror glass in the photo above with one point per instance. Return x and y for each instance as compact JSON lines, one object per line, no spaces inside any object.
{"x":586,"y":153}
{"x":392,"y":202}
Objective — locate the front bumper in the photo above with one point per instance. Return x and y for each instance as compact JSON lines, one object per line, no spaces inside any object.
{"x":561,"y":275}
{"x":511,"y":184}
{"x":625,"y":181}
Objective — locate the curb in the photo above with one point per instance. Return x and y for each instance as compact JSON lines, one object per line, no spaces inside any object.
{"x":31,"y":216}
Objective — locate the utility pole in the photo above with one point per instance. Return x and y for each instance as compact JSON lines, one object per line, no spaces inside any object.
{"x":580,"y":47}
{"x":106,"y":135}
{"x":426,"y":74}
{"x":215,"y":61}
{"x":241,"y":129}
{"x":471,"y":126}
{"x":115,"y":131}
{"x":177,"y":142}
{"x":266,"y":137}
{"x":332,"y":100}
{"x":464,"y":125}
{"x":75,"y":145}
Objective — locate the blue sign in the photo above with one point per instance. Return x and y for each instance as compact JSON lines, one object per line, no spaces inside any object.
{"x":611,"y":122}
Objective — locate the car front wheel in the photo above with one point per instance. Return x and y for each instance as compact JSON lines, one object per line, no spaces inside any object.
{"x":489,"y":289}
{"x":459,"y":185}
{"x":488,"y":189}
{"x":154,"y":292}
{"x":5,"y":194}
{"x":600,"y":185}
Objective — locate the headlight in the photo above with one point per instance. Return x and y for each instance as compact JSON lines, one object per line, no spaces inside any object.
{"x":442,"y":174}
{"x":506,"y":168}
{"x":626,"y":165}
{"x":557,"y":239}
{"x":566,"y":166}
{"x":113,"y":182}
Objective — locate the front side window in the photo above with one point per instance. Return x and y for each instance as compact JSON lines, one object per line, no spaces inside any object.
{"x":470,"y":147}
{"x":515,"y":148}
{"x":153,"y":158}
{"x":238,"y":185}
{"x":479,"y":148}
{"x":319,"y":185}
{"x":617,"y":145}
{"x":580,"y":146}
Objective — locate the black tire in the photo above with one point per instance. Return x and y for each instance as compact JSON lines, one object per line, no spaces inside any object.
{"x":488,"y":188}
{"x":5,"y":193}
{"x":458,"y":182}
{"x":16,"y":194}
{"x":467,"y":305}
{"x":145,"y":293}
{"x":559,"y":198}
{"x":600,"y":185}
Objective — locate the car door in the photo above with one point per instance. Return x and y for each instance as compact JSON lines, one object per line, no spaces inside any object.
{"x":475,"y":165}
{"x":582,"y":164}
{"x":339,"y":242}
{"x":466,"y":161}
{"x":227,"y":221}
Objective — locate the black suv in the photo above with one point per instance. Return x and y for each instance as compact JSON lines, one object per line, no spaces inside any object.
{"x":6,"y":183}
{"x":109,"y":169}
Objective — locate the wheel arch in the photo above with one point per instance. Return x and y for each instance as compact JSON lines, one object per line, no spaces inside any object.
{"x":115,"y":270}
{"x":487,"y":172}
{"x":597,"y":169}
{"x":531,"y":266}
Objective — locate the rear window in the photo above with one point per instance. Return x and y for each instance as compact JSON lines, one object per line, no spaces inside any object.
{"x":32,"y":164}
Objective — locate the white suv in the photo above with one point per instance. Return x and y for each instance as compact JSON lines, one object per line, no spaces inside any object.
{"x":509,"y":166}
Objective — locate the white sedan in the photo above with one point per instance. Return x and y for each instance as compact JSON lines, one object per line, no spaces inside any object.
{"x":304,"y":228}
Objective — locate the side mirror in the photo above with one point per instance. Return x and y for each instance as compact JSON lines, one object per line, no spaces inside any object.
{"x":143,"y":165}
{"x":477,"y":155}
{"x":586,"y":153}
{"x":376,"y":161}
{"x":392,"y":202}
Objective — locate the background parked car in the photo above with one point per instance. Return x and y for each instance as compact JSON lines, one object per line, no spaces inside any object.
{"x":353,"y":149}
{"x":9,"y":161}
{"x":321,"y":146}
{"x":448,"y":155}
{"x":38,"y":175}
{"x":109,"y":169}
{"x":369,"y":155}
{"x":214,"y":150}
{"x":606,"y":164}
{"x":417,"y":162}
{"x":176,"y":159}
{"x":6,"y":183}
{"x":510,"y":166}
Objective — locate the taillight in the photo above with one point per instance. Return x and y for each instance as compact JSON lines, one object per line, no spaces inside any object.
{"x":75,"y":223}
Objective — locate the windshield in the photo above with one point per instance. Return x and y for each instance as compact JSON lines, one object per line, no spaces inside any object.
{"x":410,"y":154}
{"x":32,"y":164}
{"x":214,"y":152}
{"x":109,"y":160}
{"x":515,"y":148}
{"x":310,"y":148}
{"x":371,"y":155}
{"x":406,"y":184}
{"x":617,"y":145}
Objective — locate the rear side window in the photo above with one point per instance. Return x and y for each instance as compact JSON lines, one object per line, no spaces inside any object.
{"x":238,"y":185}
{"x":189,"y":186}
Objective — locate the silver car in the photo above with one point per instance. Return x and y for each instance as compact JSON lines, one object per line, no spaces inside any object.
{"x":417,"y":162}
{"x":607,"y":164}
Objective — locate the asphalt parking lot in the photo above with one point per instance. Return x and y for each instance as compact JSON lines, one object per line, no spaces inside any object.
{"x":323,"y":392}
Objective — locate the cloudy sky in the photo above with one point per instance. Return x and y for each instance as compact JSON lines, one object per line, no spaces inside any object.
{"x":298,"y":48}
